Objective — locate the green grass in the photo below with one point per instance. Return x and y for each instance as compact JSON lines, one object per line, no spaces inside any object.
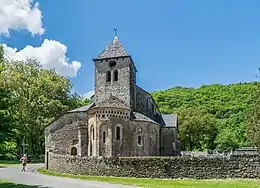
{"x":6,"y":162}
{"x":164,"y":183}
{"x":5,"y":184}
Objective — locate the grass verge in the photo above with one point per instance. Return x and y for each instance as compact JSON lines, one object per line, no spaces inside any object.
{"x":5,"y":184}
{"x":6,"y":162}
{"x":14,"y":162}
{"x":163,"y":183}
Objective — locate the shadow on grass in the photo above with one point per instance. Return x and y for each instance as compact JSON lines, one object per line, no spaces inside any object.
{"x":12,"y":185}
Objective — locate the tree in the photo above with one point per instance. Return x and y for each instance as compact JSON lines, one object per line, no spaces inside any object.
{"x":227,"y":103}
{"x":253,"y":121}
{"x":5,"y":104}
{"x":231,"y":132}
{"x":5,"y":117}
{"x":39,"y":97}
{"x":6,"y":120}
{"x":196,"y":129}
{"x":227,"y":140}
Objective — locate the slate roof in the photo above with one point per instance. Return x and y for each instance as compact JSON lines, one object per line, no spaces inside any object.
{"x":170,"y":120}
{"x":112,"y":102}
{"x":63,"y":120}
{"x":114,"y":49}
{"x":139,"y":116}
{"x":83,"y":108}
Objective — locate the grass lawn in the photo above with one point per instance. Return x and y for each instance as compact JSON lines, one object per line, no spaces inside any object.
{"x":163,"y":183}
{"x":5,"y":184}
{"x":6,"y":163}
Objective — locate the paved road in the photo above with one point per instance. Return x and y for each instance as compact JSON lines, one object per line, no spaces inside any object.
{"x":32,"y":177}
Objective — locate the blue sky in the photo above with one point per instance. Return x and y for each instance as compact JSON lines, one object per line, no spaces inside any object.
{"x":173,"y":43}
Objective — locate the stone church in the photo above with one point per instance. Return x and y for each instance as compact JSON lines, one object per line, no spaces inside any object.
{"x":122,"y":120}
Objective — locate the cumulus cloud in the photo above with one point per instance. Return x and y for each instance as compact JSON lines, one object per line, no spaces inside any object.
{"x":88,"y":94}
{"x":51,"y":55}
{"x":20,"y":14}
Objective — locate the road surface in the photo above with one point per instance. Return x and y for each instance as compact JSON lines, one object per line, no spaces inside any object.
{"x":32,"y":177}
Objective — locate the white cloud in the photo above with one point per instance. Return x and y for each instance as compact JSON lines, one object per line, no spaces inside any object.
{"x":20,"y":14}
{"x":88,"y":94}
{"x":51,"y":54}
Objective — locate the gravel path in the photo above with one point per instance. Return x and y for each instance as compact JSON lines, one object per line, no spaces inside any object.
{"x":32,"y":177}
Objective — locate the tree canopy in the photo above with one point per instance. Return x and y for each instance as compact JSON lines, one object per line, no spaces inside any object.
{"x":253,"y":120}
{"x":227,"y":104}
{"x":30,"y":98}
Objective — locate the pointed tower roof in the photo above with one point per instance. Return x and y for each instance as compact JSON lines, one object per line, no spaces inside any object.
{"x":114,"y":49}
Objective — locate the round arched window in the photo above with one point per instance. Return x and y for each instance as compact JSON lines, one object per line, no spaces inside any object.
{"x":112,"y":63}
{"x":139,"y":140}
{"x":74,"y":151}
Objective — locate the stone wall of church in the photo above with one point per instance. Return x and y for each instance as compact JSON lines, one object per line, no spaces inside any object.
{"x":121,"y":88}
{"x":63,"y":133}
{"x":158,"y":167}
{"x":150,"y":138}
{"x":115,"y":134}
{"x":137,"y":138}
{"x":93,"y":135}
{"x":168,"y":141}
{"x":132,"y":87}
{"x":144,"y":103}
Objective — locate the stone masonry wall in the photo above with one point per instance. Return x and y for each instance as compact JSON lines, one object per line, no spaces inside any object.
{"x":59,"y":137}
{"x":127,"y":145}
{"x":121,"y":88}
{"x":158,"y":167}
{"x":168,"y":141}
{"x":144,"y":103}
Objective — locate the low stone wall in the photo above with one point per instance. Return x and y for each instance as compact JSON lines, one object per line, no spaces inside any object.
{"x":158,"y":167}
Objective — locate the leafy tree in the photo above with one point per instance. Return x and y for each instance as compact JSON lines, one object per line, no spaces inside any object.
{"x":227,"y":140}
{"x":5,"y":117}
{"x":196,"y":129}
{"x":253,"y":121}
{"x":227,"y":103}
{"x":5,"y":104}
{"x":30,"y":98}
{"x":39,"y":97}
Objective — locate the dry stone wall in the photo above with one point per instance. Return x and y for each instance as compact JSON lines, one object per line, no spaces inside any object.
{"x":158,"y":167}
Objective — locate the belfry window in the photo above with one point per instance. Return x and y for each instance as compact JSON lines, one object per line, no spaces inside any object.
{"x":108,"y":76}
{"x":118,"y":135}
{"x":115,"y":75}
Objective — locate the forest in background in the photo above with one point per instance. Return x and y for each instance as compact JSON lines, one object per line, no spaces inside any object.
{"x":223,"y":117}
{"x":212,"y":116}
